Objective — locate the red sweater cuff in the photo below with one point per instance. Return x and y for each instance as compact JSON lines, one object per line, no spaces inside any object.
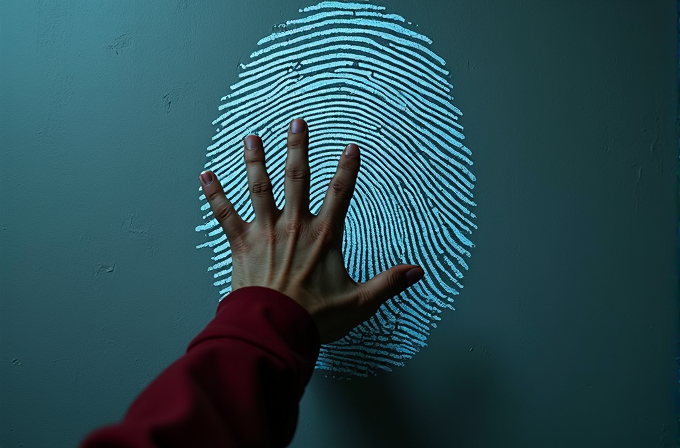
{"x":282,"y":325}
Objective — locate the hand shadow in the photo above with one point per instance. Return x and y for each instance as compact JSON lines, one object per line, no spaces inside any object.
{"x":454,"y":404}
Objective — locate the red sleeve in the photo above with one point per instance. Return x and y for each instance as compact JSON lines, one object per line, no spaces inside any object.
{"x":238,"y":385}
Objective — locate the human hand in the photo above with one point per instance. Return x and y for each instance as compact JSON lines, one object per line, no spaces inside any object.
{"x":295,"y":252}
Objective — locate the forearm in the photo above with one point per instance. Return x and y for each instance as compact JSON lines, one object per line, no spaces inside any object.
{"x":239,"y":384}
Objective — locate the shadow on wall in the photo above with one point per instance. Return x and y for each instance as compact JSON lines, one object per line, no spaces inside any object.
{"x":465,"y":404}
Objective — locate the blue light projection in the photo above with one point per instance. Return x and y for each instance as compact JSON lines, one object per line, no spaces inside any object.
{"x":358,"y":74}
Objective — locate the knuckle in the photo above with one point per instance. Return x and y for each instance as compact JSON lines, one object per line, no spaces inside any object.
{"x":266,"y":232}
{"x":214,"y":195}
{"x":296,"y":173}
{"x":238,"y":247}
{"x":260,"y":188}
{"x":296,"y":143}
{"x":323,"y":232}
{"x":340,"y":187}
{"x":224,"y":212}
{"x":293,"y":227}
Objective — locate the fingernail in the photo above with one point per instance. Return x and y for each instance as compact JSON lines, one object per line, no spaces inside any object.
{"x":352,"y":151}
{"x":206,"y":178}
{"x":252,"y":142}
{"x":413,"y":275}
{"x":297,"y":126}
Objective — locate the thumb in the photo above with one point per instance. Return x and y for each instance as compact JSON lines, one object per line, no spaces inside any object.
{"x":389,"y":283}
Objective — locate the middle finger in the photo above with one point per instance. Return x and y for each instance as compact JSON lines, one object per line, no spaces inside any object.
{"x":297,"y":172}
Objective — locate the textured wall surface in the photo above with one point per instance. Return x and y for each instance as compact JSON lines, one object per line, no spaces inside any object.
{"x":564,"y":333}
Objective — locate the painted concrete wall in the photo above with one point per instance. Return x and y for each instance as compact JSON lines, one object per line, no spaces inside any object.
{"x":564,"y":334}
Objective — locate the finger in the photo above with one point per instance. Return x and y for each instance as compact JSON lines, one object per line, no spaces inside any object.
{"x":296,"y":183}
{"x":388,"y":284}
{"x":340,"y":190}
{"x":222,"y":209}
{"x":259,"y":184}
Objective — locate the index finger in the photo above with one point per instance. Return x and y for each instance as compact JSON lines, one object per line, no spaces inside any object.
{"x":223,"y":210}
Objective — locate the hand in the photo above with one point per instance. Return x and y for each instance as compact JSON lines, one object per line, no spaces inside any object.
{"x":295,"y":252}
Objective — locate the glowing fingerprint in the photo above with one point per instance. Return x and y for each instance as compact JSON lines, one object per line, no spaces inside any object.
{"x":358,"y":74}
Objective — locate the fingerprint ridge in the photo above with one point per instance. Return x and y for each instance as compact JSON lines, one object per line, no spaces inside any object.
{"x":357,"y":73}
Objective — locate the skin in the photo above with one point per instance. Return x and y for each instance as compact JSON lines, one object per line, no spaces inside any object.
{"x":296,"y":252}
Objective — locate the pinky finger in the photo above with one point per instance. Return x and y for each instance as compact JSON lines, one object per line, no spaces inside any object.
{"x":223,"y":210}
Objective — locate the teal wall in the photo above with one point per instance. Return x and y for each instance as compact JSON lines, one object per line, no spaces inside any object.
{"x":564,"y":333}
